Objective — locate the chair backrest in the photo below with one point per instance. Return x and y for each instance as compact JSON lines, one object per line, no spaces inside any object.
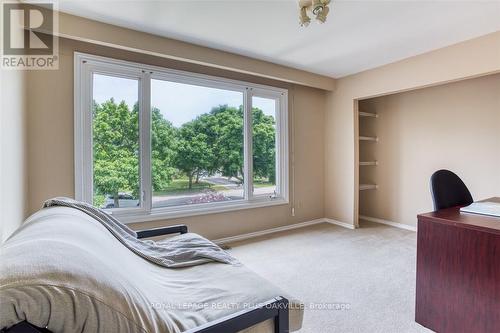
{"x":448,"y":190}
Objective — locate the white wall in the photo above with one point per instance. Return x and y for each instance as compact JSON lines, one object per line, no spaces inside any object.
{"x":13,"y":193}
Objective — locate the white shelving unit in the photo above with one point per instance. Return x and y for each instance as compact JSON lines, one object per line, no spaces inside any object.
{"x":364,"y":187}
{"x":368,"y":114}
{"x":368,"y":138}
{"x":364,"y":138}
{"x":368,"y":163}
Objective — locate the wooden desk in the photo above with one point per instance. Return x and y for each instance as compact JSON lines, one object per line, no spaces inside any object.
{"x":458,"y":272}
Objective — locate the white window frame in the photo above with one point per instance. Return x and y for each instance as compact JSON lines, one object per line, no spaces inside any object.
{"x":85,"y":65}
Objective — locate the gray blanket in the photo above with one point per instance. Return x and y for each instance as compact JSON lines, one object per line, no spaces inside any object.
{"x":178,"y":251}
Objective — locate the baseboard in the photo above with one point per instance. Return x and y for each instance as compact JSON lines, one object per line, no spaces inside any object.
{"x":237,"y":238}
{"x":342,"y":224}
{"x":267,"y":232}
{"x":392,"y":224}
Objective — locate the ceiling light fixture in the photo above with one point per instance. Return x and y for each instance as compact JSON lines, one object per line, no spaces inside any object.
{"x":318,"y":8}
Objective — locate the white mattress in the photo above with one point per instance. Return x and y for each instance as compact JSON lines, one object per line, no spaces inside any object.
{"x":64,"y":271}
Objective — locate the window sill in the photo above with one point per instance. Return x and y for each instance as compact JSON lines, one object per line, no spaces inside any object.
{"x":194,"y":210}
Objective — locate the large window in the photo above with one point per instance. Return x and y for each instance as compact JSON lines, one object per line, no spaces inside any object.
{"x":156,"y":143}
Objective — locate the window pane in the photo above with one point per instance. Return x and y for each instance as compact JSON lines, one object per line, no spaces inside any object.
{"x":264,"y":145}
{"x":115,"y":128}
{"x":197,"y":144}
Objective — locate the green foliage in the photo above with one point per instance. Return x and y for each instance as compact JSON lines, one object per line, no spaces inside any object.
{"x":98,"y":200}
{"x":193,"y":154}
{"x":264,"y":147}
{"x":212,"y":143}
{"x":163,"y":147}
{"x":226,"y":128}
{"x":116,"y":149}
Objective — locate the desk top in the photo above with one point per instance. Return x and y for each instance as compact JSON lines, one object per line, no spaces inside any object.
{"x":453,"y":216}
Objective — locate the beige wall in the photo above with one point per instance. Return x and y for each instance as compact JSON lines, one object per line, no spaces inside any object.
{"x":13,"y":192}
{"x":50,"y":144}
{"x":453,"y":126}
{"x":468,"y":59}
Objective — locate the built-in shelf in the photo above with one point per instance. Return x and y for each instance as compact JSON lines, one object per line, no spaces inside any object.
{"x":368,"y":163}
{"x":368,"y":138}
{"x":368,"y":114}
{"x":364,"y":187}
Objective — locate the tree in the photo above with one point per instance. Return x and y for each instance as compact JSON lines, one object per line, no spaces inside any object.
{"x":220,"y":136}
{"x":264,"y":145}
{"x":193,"y":154}
{"x":164,"y":144}
{"x":212,"y":143}
{"x":227,"y":128}
{"x":115,"y":149}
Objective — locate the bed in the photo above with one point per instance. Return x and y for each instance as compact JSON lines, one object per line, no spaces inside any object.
{"x":62,"y":271}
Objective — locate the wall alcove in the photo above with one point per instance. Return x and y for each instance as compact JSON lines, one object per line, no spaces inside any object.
{"x":404,"y":137}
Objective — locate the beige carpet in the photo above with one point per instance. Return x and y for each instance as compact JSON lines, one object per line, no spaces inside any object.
{"x":372,"y":269}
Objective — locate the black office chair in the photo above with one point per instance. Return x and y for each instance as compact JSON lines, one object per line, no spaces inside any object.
{"x":448,"y":190}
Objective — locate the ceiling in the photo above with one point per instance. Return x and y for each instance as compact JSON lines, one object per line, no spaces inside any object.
{"x":358,"y":35}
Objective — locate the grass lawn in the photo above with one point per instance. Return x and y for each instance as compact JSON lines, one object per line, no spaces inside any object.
{"x":262,"y":183}
{"x":181,"y":186}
